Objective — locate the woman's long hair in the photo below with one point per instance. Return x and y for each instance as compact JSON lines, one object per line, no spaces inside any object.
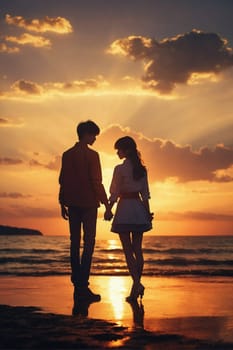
{"x":128,"y":145}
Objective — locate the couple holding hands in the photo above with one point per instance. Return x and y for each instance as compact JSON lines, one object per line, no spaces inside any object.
{"x":80,"y":195}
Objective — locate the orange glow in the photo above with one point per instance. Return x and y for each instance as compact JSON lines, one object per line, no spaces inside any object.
{"x":180,"y":120}
{"x":116,"y":289}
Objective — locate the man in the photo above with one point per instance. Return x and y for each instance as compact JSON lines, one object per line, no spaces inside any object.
{"x":81,"y":192}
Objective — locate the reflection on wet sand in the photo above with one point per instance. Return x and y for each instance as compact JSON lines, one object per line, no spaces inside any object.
{"x":217,"y":328}
{"x":197,"y":308}
{"x":81,"y":305}
{"x":138,"y":314}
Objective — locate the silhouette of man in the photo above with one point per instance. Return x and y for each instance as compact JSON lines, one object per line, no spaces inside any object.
{"x":81,"y":192}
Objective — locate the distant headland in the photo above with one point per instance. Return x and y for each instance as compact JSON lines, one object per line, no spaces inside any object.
{"x":18,"y":231}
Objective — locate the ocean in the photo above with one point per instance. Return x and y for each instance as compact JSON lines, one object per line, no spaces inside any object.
{"x":164,"y":256}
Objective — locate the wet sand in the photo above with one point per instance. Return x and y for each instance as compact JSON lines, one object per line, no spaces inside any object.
{"x":175,"y":313}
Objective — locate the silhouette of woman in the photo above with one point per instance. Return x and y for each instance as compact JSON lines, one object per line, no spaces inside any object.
{"x":129,"y":188}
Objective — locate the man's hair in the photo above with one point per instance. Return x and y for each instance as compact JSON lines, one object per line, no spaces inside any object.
{"x":88,"y":127}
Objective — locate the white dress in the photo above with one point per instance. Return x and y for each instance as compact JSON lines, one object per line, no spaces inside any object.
{"x":130,"y":215}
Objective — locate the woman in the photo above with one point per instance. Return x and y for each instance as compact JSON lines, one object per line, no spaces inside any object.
{"x":129,"y":188}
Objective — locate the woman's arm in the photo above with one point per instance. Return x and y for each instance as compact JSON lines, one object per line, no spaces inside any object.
{"x":145,"y":193}
{"x":114,"y":193}
{"x":147,"y":207}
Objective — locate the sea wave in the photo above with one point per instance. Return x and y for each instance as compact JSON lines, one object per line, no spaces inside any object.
{"x":164,"y":256}
{"x":124,"y":272}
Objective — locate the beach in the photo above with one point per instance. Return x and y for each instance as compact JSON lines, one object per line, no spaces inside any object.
{"x":175,"y":313}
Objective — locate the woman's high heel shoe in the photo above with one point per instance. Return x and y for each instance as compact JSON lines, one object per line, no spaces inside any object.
{"x":131,"y":296}
{"x":136,"y":291}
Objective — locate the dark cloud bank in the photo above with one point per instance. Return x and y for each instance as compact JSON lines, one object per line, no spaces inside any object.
{"x":173,"y":60}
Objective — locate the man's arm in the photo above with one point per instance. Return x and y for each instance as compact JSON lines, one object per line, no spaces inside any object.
{"x":64,"y":210}
{"x":96,"y":179}
{"x":95,"y":174}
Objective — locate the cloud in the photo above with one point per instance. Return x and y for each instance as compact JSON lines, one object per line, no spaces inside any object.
{"x":3,"y":121}
{"x":11,"y":122}
{"x":29,"y":212}
{"x":13,"y":195}
{"x":7,"y":49}
{"x":31,"y":88}
{"x":57,"y":25}
{"x":55,"y":164}
{"x":76,"y":85}
{"x":194,"y":215}
{"x":175,"y":60}
{"x":165,"y":159}
{"x":35,"y":163}
{"x":10,"y":161}
{"x":38,"y":212}
{"x":27,"y":87}
{"x":29,"y":39}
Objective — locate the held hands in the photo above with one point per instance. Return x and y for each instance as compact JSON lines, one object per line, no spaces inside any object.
{"x":64,"y":212}
{"x":108,"y":215}
{"x":151,"y":216}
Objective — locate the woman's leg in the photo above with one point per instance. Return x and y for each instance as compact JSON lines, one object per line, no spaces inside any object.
{"x":129,"y":255}
{"x":137,"y":249}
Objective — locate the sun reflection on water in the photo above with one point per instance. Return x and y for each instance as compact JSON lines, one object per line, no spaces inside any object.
{"x":116,"y":290}
{"x":116,"y":286}
{"x":113,"y":244}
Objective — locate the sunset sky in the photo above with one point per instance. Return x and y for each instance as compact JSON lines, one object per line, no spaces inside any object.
{"x":160,"y":71}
